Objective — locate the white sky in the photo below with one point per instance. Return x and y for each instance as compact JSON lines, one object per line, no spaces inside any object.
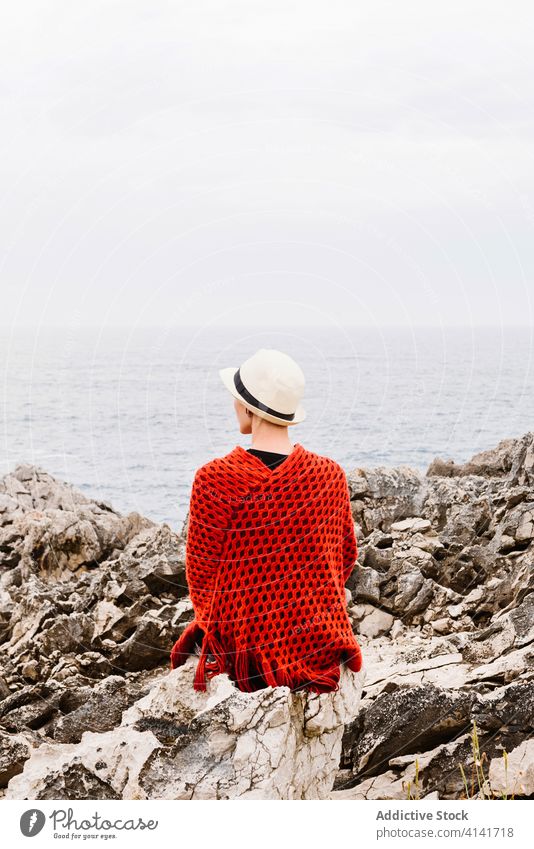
{"x":266,"y":162}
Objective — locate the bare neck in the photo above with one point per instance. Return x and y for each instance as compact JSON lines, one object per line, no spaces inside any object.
{"x":271,"y":438}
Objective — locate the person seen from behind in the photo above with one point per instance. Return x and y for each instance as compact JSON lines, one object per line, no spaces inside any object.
{"x":270,"y":545}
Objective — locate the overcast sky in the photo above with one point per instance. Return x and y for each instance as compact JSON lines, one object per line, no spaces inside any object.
{"x":266,"y":162}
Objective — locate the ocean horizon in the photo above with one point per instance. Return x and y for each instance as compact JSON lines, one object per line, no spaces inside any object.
{"x":127,"y":415}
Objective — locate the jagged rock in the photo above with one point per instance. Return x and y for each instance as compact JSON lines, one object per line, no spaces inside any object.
{"x":75,"y":615}
{"x":65,"y":634}
{"x":375,"y":622}
{"x":366,"y":584}
{"x":503,"y":716}
{"x":156,"y":556}
{"x":442,"y":600}
{"x":409,"y":719}
{"x":31,"y":707}
{"x":176,"y":743}
{"x":438,"y":769}
{"x":504,"y":668}
{"x":100,"y":710}
{"x":14,"y":752}
{"x":384,"y":496}
{"x":515,"y":774}
{"x":414,"y":592}
{"x":412,"y":524}
{"x":510,"y":706}
{"x":441,"y":468}
{"x":522,"y":619}
{"x":74,"y":782}
{"x":147,"y":647}
{"x":511,"y":459}
{"x":387,"y":785}
{"x":51,"y":528}
{"x":513,"y":629}
{"x":105,"y":616}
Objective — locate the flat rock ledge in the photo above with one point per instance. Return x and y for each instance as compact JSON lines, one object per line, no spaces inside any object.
{"x":176,"y":743}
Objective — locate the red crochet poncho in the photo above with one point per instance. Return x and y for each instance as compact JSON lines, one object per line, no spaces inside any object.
{"x":267,"y":556}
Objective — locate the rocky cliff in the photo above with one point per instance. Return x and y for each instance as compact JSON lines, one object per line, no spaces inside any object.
{"x":442,"y":601}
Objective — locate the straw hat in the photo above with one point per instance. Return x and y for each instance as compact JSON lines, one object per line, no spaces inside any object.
{"x":271,"y":384}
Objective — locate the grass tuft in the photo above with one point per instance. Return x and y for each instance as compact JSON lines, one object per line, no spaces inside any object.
{"x":478,"y":785}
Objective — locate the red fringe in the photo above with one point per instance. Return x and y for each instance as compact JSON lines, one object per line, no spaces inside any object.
{"x":184,"y":645}
{"x":244,"y":661}
{"x":210,"y":645}
{"x":354,"y":662}
{"x":241,"y":668}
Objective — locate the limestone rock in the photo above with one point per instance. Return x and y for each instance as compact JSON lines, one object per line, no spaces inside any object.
{"x":14,"y":751}
{"x":441,"y":599}
{"x":409,"y":716}
{"x":411,"y":524}
{"x":49,"y":526}
{"x":515,"y":774}
{"x":100,"y":710}
{"x":375,"y":622}
{"x":176,"y":743}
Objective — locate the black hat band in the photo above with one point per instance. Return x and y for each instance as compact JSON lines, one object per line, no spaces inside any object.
{"x":250,"y":399}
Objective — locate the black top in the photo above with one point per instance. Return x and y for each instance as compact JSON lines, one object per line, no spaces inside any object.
{"x":270,"y":458}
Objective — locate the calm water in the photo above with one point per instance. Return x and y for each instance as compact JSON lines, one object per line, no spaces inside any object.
{"x":127,"y":416}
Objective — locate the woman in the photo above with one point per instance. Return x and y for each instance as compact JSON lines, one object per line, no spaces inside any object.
{"x":270,"y":545}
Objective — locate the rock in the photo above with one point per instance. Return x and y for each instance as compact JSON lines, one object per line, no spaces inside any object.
{"x":439,"y":773}
{"x":396,"y":629}
{"x":105,"y":616}
{"x":441,"y":468}
{"x":33,"y":715}
{"x":430,"y":543}
{"x":496,"y":462}
{"x":410,"y":582}
{"x":514,"y":775}
{"x":101,"y":710}
{"x":409,"y":719}
{"x":411,"y":524}
{"x":30,"y":671}
{"x":515,"y":628}
{"x":387,"y":785}
{"x":507,"y":707}
{"x":366,"y":584}
{"x":442,"y":600}
{"x":74,"y":782}
{"x":156,"y":556}
{"x":67,"y":633}
{"x":14,"y":752}
{"x":438,"y":769}
{"x":375,"y":622}
{"x":525,"y":531}
{"x":505,"y":668}
{"x":29,"y":707}
{"x":147,"y":647}
{"x":522,"y":620}
{"x":176,"y":743}
{"x":51,"y":527}
{"x":84,"y":613}
{"x":388,"y":495}
{"x":441,"y":626}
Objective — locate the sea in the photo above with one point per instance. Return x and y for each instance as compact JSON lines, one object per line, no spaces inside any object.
{"x":127,"y":414}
